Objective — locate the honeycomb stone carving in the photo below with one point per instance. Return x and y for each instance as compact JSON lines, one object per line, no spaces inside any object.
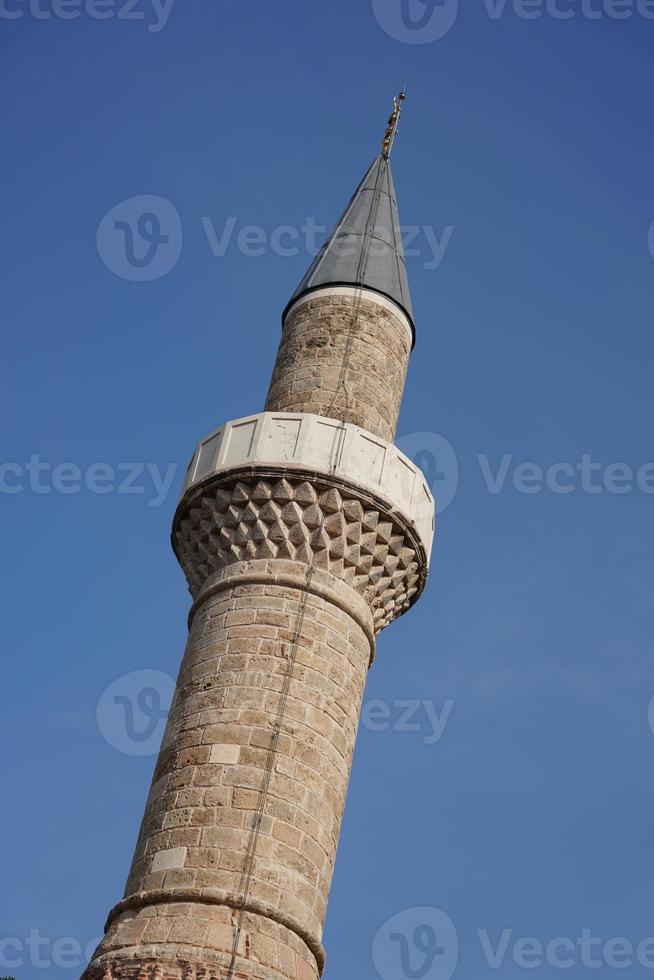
{"x":266,"y":517}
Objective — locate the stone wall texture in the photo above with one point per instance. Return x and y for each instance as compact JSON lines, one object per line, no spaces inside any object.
{"x":342,"y":357}
{"x":178,"y":940}
{"x":185,"y":882}
{"x":292,"y":575}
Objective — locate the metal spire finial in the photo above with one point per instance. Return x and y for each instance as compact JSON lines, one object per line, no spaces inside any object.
{"x":393,"y":123}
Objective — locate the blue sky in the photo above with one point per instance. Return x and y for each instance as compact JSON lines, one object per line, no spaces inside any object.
{"x":526,"y":151}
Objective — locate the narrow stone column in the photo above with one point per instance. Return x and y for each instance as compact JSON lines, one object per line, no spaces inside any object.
{"x":302,"y":532}
{"x":206,"y":789}
{"x":344,"y":354}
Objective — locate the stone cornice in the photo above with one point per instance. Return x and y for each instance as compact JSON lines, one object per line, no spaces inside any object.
{"x":320,"y":448}
{"x":218,"y":896}
{"x":277,"y":514}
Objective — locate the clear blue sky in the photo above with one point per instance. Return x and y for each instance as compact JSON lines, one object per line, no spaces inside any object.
{"x":532,"y":139}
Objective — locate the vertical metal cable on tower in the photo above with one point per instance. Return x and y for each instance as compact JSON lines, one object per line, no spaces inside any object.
{"x":250,"y":856}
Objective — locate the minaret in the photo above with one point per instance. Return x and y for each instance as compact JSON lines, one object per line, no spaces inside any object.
{"x":302,"y":532}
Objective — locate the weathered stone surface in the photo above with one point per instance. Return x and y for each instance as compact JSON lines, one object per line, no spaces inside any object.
{"x":206,"y":788}
{"x":292,"y":576}
{"x":176,"y":941}
{"x":342,"y":532}
{"x":307,"y":445}
{"x":344,"y":359}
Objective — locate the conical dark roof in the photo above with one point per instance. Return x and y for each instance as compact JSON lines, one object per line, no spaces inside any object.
{"x":365,"y":247}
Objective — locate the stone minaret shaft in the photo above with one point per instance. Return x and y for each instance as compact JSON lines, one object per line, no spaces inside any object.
{"x":302,"y":532}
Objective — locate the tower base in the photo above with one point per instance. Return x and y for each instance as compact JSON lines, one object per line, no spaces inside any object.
{"x":193,"y":941}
